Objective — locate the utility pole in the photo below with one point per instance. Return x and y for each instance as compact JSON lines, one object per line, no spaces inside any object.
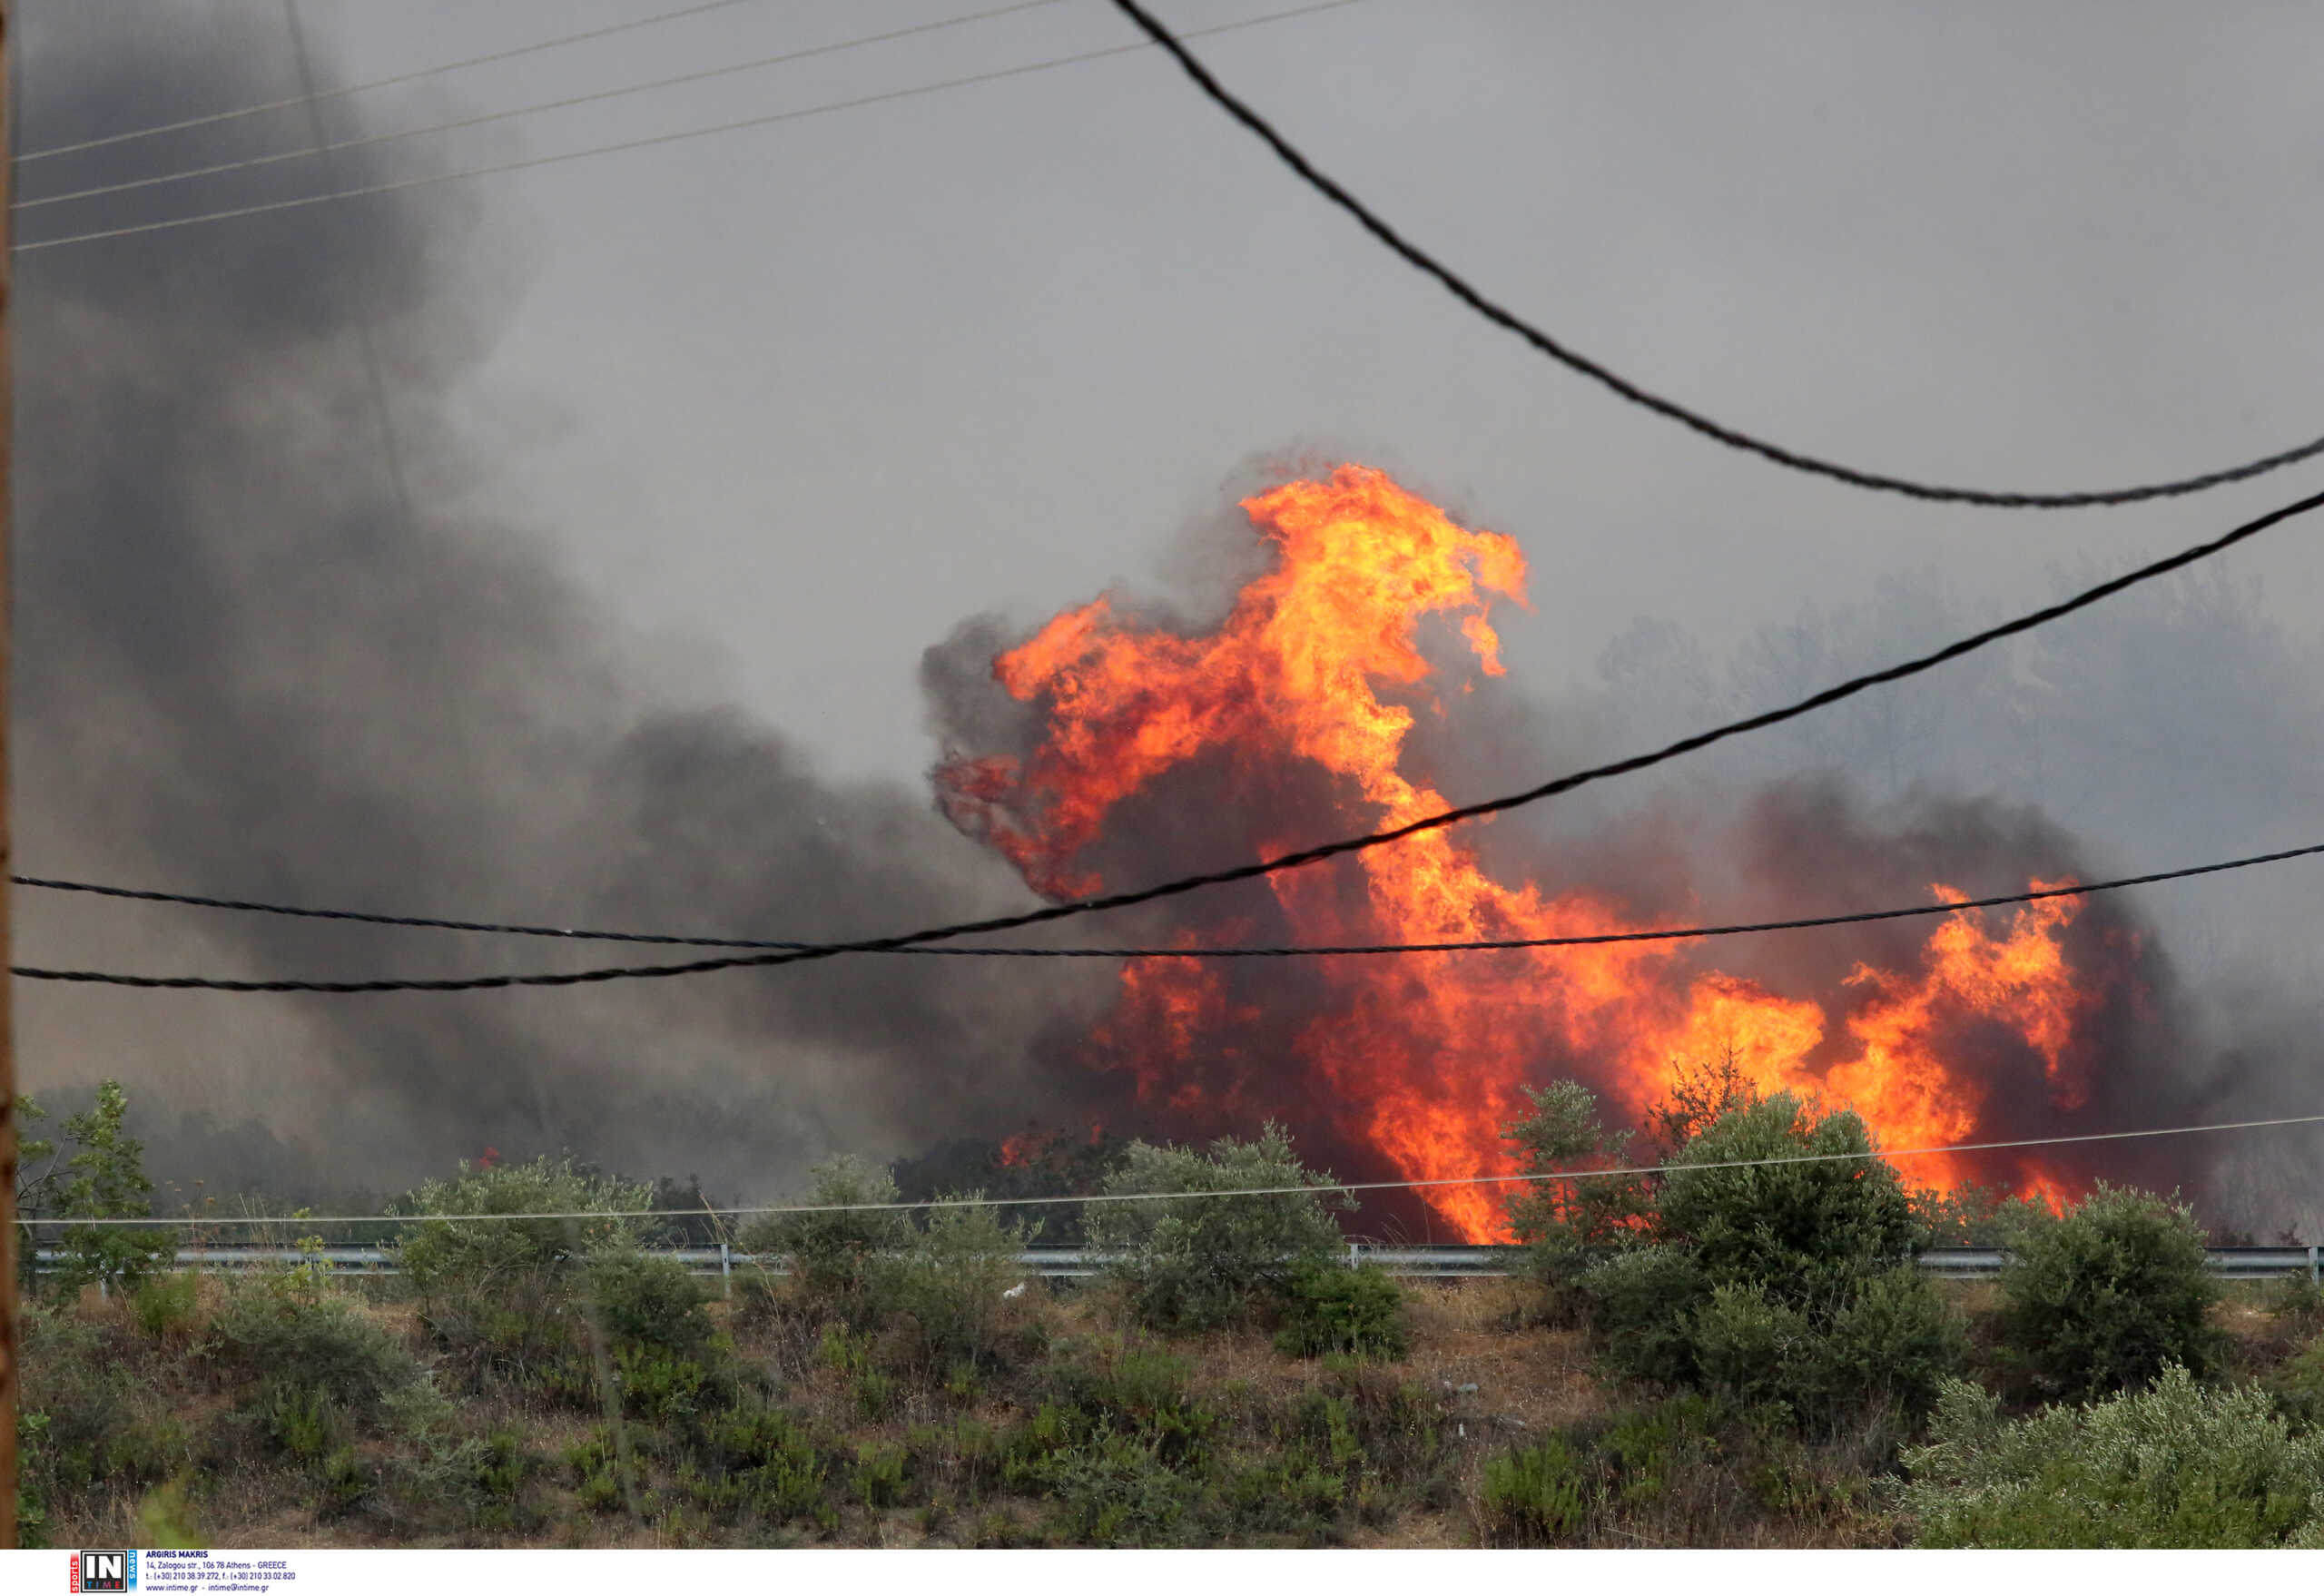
{"x":11,"y":1387}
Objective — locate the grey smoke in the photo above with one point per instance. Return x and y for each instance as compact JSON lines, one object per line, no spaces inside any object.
{"x":244,"y":670}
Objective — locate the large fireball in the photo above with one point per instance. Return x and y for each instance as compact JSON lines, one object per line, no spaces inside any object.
{"x":1419,"y":1059}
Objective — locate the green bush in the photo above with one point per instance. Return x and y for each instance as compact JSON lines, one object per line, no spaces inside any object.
{"x":1116,"y":1490}
{"x":104,"y":1178}
{"x":1805,"y":1232}
{"x":2298,"y":1385}
{"x":946,"y":1289}
{"x":2105,"y":1296}
{"x":1142,"y":1390}
{"x":76,"y":1400}
{"x":1642,"y":1303}
{"x":1969,"y":1215}
{"x":2176,"y":1465}
{"x":834,"y":1255}
{"x":879,"y":1477}
{"x":168,"y":1306}
{"x":648,"y":1303}
{"x":1645,"y":1447}
{"x":2296,"y":1303}
{"x":1758,"y":1350}
{"x":1357,"y":1311}
{"x":1199,"y":1263}
{"x":1564,"y":1220}
{"x":1531,"y":1495}
{"x":662,"y":1386}
{"x":294,"y":1335}
{"x":1780,"y":1285}
{"x":1893,"y":1342}
{"x":507,"y":1293}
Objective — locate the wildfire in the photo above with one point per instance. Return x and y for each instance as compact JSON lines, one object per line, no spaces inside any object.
{"x":1422,"y":1059}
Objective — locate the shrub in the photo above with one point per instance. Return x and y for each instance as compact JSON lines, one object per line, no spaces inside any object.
{"x":2176,"y":1465}
{"x":946,"y":1289}
{"x":104,"y":1178}
{"x":1893,"y":1342}
{"x":879,"y":1477}
{"x":1531,"y":1495}
{"x":1781,"y":1284}
{"x":1142,"y":1390}
{"x":660,"y":1386}
{"x":1198,"y":1263}
{"x":1803,"y":1231}
{"x":1357,"y":1311}
{"x":833,"y":1255}
{"x":1969,"y":1215}
{"x":1758,"y":1350}
{"x":2298,"y":1385}
{"x":1897,"y":1341}
{"x":648,"y":1303}
{"x":168,"y":1306}
{"x":1645,"y":1447}
{"x":1698,"y":1095}
{"x":1562,"y":1219}
{"x":775,"y":1460}
{"x":2296,"y":1303}
{"x":1115,"y":1491}
{"x":2105,"y":1296}
{"x":76,"y":1400}
{"x":1641,"y":1303}
{"x":295,"y":1336}
{"x":506,"y":1293}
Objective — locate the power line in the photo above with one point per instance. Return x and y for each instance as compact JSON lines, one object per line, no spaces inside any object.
{"x":528,"y":163}
{"x":319,"y":148}
{"x":1264,"y":867}
{"x":384,"y":83}
{"x":1503,"y":944}
{"x":1247,"y":1191}
{"x":1637,"y":394}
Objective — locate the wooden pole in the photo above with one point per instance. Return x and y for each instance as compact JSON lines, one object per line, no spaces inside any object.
{"x":10,"y":1386}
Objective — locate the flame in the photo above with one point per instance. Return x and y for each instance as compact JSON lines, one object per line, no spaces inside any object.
{"x":1423,"y":1058}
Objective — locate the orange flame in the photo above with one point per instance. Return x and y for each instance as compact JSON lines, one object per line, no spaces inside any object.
{"x":1423,"y":1056}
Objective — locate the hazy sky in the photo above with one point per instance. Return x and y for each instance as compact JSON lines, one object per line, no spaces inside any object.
{"x":805,"y":395}
{"x":797,"y":400}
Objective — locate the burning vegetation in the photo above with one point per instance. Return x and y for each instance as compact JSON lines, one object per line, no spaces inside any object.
{"x":1146,"y":746}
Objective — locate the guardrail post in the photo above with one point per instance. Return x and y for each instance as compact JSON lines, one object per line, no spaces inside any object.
{"x":725,"y":1270}
{"x":1355,"y":1252}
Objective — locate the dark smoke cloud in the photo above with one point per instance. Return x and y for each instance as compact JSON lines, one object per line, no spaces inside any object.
{"x":244,"y":669}
{"x":2171,"y":726}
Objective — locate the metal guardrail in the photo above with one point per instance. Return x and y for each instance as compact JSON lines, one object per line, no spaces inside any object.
{"x":1441,"y":1262}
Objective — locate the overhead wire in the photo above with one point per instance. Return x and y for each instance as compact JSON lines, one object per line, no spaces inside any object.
{"x":1317,"y":1187}
{"x":530,"y":162}
{"x":1271,"y":865}
{"x":1291,"y":950}
{"x":484,"y":118}
{"x":1637,"y":393}
{"x":511,"y":53}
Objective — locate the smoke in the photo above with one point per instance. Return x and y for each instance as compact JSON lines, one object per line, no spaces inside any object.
{"x":247,"y":666}
{"x":2174,"y":726}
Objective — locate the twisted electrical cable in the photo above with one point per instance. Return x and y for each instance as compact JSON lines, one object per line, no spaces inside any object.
{"x":1637,"y":393}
